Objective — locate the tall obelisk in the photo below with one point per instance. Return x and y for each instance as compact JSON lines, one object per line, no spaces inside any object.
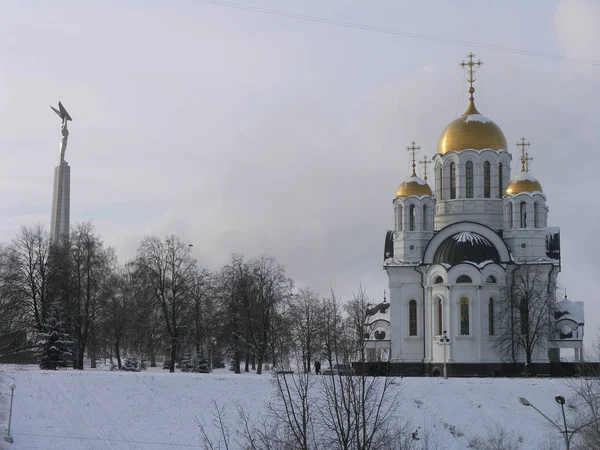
{"x":61,"y":197}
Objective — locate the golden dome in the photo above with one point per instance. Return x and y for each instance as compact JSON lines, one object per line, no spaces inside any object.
{"x":524,"y":182}
{"x":413,"y":186}
{"x":471,"y":131}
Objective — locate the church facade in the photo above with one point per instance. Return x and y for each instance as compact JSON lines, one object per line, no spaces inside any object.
{"x":472,"y":263}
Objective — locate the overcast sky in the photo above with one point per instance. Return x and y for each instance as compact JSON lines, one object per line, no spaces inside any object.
{"x":256,"y":133}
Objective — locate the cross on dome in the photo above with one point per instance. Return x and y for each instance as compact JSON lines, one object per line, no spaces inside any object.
{"x":413,"y":149}
{"x":425,"y":162}
{"x":524,"y":154}
{"x":470,"y":65}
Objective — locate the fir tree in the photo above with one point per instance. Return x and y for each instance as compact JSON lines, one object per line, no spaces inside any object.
{"x":53,"y":345}
{"x":131,"y":365}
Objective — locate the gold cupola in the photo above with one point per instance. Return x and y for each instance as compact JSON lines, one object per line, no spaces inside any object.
{"x":471,"y":131}
{"x":524,"y":182}
{"x":415,"y":185}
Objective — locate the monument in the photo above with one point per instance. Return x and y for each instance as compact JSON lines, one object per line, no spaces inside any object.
{"x":61,"y":197}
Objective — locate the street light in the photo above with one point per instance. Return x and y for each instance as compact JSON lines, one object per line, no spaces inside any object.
{"x":8,"y":437}
{"x":568,"y":434}
{"x":445,"y":342}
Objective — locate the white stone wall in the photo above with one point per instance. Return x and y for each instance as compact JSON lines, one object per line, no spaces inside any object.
{"x":525,"y":222}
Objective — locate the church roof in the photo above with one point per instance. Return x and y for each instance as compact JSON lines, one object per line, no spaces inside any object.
{"x":466,"y":247}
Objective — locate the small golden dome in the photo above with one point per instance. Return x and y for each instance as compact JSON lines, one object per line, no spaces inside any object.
{"x":524,"y":182}
{"x":414,"y":186}
{"x":471,"y":131}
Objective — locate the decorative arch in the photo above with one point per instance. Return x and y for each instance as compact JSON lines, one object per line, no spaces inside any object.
{"x":458,"y":227}
{"x":491,"y":279}
{"x":438,"y":280}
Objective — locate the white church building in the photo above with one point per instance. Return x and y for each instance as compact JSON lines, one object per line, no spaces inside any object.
{"x":459,"y":252}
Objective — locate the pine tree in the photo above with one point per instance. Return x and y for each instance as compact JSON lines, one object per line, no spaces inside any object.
{"x":131,"y":365}
{"x":53,"y":345}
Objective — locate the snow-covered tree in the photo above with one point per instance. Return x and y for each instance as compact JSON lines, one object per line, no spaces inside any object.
{"x":53,"y":345}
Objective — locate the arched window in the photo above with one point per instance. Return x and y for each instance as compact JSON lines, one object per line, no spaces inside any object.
{"x":523,"y":213}
{"x":439,"y":316}
{"x":491,"y":316}
{"x":487,"y":174}
{"x":500,"y":181}
{"x":452,"y":180}
{"x":413,"y":215}
{"x":491,"y":279}
{"x":399,"y":211}
{"x":440,"y":182}
{"x":464,"y":317}
{"x":464,"y":279}
{"x":536,"y":215}
{"x":438,"y":280}
{"x":509,"y":213}
{"x":524,"y":315}
{"x":425,"y":222}
{"x":412,"y":318}
{"x":469,"y":179}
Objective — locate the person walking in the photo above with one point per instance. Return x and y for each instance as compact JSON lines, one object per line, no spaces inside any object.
{"x":317,"y":367}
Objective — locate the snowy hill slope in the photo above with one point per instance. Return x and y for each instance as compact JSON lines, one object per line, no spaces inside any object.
{"x":158,"y":410}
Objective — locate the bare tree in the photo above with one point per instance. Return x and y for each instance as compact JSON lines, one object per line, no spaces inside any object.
{"x":306,"y":325}
{"x":168,"y":267}
{"x":90,"y":272}
{"x":269,"y":290}
{"x":524,"y":314}
{"x":27,"y":277}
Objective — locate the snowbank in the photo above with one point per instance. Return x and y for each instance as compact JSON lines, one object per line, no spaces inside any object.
{"x":158,"y":410}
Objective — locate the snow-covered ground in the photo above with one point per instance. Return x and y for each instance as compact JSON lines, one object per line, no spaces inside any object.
{"x":156,"y":410}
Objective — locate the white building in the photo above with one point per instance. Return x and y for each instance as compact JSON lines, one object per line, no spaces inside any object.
{"x":453,"y":252}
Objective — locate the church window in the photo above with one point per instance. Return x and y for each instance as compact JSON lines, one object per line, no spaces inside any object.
{"x":524,"y":313}
{"x":399,"y":211}
{"x":536,"y":215}
{"x":491,"y":279}
{"x":491,"y":316}
{"x":413,"y":215}
{"x":509,"y":213}
{"x":440,"y":183}
{"x":464,"y":279}
{"x":438,"y":280}
{"x":440,"y":309}
{"x":500,"y":182}
{"x":523,"y":215}
{"x":452,"y":180}
{"x":464,"y":317}
{"x":469,"y":179}
{"x":412,"y":318}
{"x":425,"y":222}
{"x":486,"y":179}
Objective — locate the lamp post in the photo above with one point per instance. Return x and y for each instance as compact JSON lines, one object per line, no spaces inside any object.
{"x":8,"y":437}
{"x":213,"y":341}
{"x":445,"y":342}
{"x":568,"y":434}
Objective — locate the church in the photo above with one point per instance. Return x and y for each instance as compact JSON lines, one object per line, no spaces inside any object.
{"x":472,"y":263}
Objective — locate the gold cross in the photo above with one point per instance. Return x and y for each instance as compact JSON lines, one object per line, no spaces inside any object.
{"x":425,"y":162}
{"x":524,"y":155}
{"x":413,"y":157}
{"x":527,"y":159}
{"x":470,"y":65}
